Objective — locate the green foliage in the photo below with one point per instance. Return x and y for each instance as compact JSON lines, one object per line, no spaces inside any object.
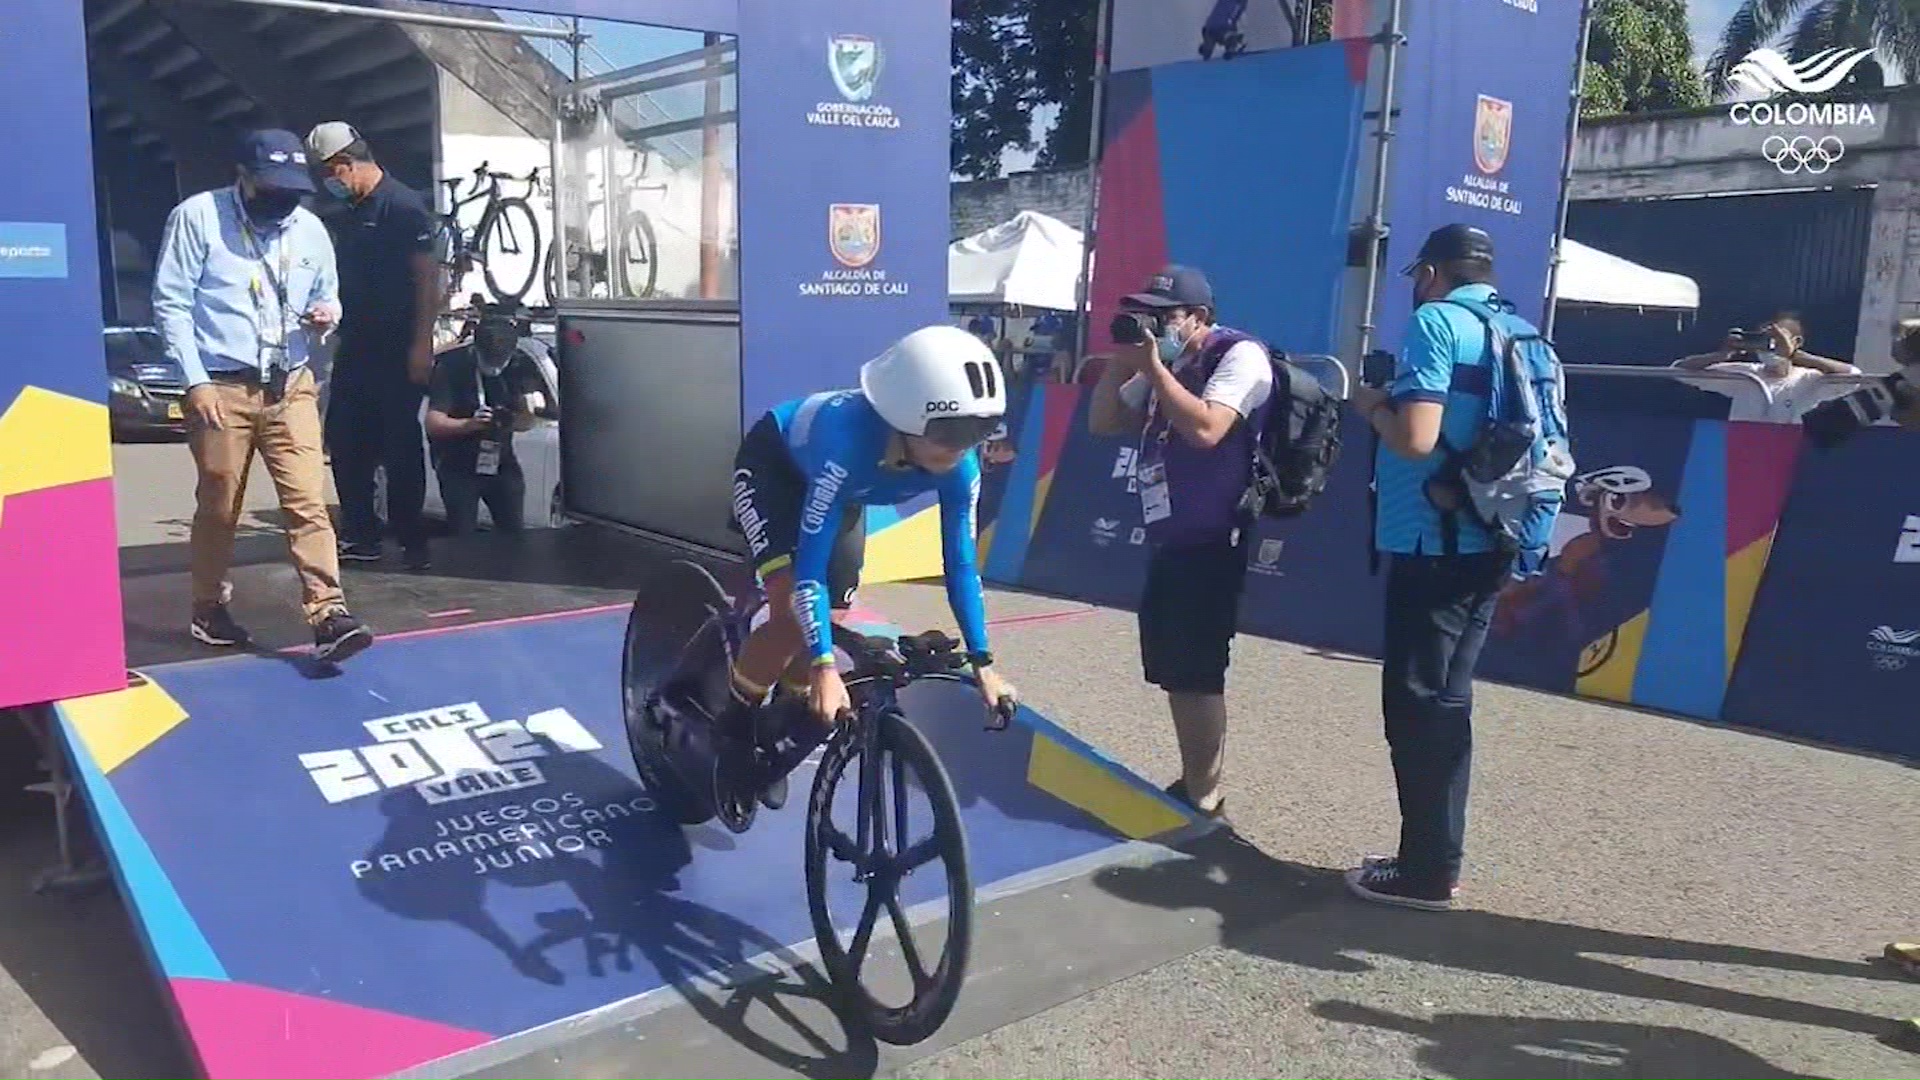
{"x":1640,"y":59}
{"x":1013,"y":57}
{"x":1890,"y":27}
{"x":1010,"y":58}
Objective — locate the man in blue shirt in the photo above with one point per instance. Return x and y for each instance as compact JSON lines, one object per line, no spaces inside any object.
{"x":1445,"y":571}
{"x":244,"y":287}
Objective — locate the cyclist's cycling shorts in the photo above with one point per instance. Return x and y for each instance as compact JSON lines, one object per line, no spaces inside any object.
{"x":768,"y":493}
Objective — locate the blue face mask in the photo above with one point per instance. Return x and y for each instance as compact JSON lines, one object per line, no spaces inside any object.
{"x":337,"y":187}
{"x":1172,"y":343}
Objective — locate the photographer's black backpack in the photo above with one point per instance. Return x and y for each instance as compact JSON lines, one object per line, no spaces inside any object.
{"x":1294,"y":451}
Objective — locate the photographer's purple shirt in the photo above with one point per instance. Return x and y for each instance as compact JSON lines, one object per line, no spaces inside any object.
{"x":1204,"y":486}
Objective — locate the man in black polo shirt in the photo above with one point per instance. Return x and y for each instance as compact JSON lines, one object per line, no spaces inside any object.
{"x":478,"y":398}
{"x":390,"y":290}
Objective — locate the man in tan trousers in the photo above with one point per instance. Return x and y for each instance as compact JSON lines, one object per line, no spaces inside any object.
{"x":244,"y":287}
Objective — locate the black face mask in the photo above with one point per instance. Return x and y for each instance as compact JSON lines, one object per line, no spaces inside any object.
{"x":272,"y":207}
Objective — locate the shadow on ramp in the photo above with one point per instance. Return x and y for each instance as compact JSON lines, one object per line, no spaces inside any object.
{"x":438,"y":862}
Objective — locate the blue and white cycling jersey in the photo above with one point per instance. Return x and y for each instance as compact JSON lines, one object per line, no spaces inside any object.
{"x":839,"y":444}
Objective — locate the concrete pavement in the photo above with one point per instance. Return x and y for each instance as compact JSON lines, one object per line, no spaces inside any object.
{"x":1644,"y":896}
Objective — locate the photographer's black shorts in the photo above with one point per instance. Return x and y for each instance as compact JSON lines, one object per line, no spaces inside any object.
{"x":1189,"y":613}
{"x":768,"y":493}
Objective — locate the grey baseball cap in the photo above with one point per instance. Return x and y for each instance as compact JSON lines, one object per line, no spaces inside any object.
{"x":328,"y":139}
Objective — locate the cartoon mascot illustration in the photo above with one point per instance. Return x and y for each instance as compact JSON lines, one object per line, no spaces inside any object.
{"x":998,"y":450}
{"x":1607,"y":506}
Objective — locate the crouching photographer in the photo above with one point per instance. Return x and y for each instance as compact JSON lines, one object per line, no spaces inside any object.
{"x":1893,"y":397}
{"x":477,"y":399}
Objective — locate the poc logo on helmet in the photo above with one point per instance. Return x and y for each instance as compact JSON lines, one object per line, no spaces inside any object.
{"x":942,"y":407}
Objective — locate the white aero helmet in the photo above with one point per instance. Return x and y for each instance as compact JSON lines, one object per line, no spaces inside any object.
{"x":940,"y":382}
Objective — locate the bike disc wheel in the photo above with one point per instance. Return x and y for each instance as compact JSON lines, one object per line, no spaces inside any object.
{"x":639,"y":257}
{"x":513,"y":223}
{"x":831,"y":855}
{"x":666,"y":616}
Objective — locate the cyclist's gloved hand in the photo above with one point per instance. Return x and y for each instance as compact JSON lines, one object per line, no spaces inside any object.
{"x":827,"y":694}
{"x":1001,"y":697}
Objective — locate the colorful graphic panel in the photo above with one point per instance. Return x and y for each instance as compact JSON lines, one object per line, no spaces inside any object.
{"x":843,"y":188}
{"x":1625,"y":509}
{"x":59,"y":562}
{"x":454,"y":827}
{"x":1169,"y":194}
{"x":1307,"y":579}
{"x":1480,"y":142}
{"x":1832,"y":645}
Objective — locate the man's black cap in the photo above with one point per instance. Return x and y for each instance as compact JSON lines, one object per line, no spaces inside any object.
{"x":1175,"y":286}
{"x":276,"y":159}
{"x":1453,"y":243}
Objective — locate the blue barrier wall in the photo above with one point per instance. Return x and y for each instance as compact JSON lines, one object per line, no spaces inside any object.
{"x":1711,"y":568}
{"x":1833,"y":645}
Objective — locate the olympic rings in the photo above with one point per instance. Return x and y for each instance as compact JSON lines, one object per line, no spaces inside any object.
{"x":1803,"y":152}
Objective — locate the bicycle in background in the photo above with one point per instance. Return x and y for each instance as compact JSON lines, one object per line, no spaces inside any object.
{"x":496,"y":243}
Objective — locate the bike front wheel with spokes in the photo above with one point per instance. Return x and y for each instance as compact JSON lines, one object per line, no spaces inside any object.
{"x":510,"y":249}
{"x":883,"y":792}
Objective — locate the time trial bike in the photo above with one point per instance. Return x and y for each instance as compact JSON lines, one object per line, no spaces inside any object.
{"x":681,"y":638}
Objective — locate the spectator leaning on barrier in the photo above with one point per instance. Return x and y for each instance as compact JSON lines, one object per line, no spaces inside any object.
{"x":1195,"y":392}
{"x":244,"y":285}
{"x":476,"y":400}
{"x":1776,"y":355}
{"x":1444,"y":573}
{"x":391,"y":286}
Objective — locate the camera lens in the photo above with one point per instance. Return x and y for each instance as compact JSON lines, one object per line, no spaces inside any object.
{"x":1129,"y":328}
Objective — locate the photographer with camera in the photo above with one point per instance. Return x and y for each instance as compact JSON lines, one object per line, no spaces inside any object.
{"x":1776,"y":355}
{"x":477,"y":398}
{"x":1194,"y":392}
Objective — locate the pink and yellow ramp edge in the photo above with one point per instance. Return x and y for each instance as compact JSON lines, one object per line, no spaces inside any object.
{"x":240,"y":1029}
{"x":59,"y":551}
{"x":237,"y":1029}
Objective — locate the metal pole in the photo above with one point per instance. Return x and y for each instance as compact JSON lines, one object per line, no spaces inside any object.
{"x":1376,"y":227}
{"x":1096,"y":145}
{"x":484,"y":26}
{"x":1566,"y":163}
{"x":710,"y":175}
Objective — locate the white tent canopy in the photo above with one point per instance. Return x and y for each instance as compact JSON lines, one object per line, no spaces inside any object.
{"x":1031,"y":260}
{"x":1592,"y":277}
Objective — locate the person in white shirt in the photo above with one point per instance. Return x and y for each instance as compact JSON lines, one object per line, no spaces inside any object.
{"x":1789,"y":373}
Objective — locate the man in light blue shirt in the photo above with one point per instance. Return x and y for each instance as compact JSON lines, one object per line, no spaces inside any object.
{"x":1445,"y":574}
{"x":244,"y":286}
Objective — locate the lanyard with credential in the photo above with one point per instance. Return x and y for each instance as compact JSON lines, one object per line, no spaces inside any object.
{"x":258,"y":249}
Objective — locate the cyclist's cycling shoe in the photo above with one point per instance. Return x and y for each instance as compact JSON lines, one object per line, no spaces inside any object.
{"x":774,"y":796}
{"x":788,"y":733}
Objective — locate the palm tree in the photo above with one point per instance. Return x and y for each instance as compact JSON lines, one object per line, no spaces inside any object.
{"x":1890,"y":27}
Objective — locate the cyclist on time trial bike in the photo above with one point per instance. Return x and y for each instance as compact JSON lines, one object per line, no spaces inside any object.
{"x":803,"y":476}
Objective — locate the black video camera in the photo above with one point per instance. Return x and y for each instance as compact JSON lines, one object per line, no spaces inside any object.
{"x":1376,"y":369}
{"x":1833,"y":422}
{"x":1134,"y":328}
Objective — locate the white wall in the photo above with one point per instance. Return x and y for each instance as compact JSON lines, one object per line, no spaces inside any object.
{"x":472,"y":132}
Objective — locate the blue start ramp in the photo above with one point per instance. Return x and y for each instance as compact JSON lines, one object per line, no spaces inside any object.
{"x":440,"y":856}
